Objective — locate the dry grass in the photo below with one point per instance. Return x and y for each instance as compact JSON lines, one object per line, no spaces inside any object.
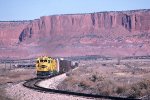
{"x":16,"y":75}
{"x":102,"y":79}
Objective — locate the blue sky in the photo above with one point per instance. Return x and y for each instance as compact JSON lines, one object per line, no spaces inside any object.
{"x":32,"y":9}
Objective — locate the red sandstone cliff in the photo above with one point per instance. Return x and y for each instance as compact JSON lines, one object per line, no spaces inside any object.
{"x":124,"y":33}
{"x":132,"y":21}
{"x":10,"y":32}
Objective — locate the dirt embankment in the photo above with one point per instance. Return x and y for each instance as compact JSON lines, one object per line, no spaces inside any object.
{"x":11,"y":77}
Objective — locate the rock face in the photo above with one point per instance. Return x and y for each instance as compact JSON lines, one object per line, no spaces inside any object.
{"x":133,"y":21}
{"x":10,"y":32}
{"x":101,"y":33}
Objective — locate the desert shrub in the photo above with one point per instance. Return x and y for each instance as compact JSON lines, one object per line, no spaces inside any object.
{"x":139,"y":89}
{"x":120,"y":89}
{"x":96,"y":78}
{"x":105,"y":87}
{"x":93,"y":78}
{"x":145,"y":84}
{"x":132,"y":93}
{"x":83,"y":84}
{"x":103,"y":64}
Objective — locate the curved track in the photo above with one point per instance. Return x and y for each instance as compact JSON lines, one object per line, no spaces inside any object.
{"x":33,"y":84}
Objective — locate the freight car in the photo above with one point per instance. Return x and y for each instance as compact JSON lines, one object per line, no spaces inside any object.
{"x":46,"y":66}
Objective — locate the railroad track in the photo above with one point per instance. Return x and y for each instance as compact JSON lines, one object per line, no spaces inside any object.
{"x":33,"y":84}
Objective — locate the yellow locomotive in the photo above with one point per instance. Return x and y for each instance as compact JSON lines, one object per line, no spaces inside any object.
{"x":46,"y":66}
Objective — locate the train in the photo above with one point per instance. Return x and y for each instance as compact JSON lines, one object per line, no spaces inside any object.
{"x":47,"y":66}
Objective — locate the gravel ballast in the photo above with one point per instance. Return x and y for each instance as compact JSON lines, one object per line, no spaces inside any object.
{"x":18,"y":92}
{"x":53,"y":82}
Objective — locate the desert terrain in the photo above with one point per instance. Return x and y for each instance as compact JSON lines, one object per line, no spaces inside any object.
{"x":126,"y":78}
{"x":114,"y":77}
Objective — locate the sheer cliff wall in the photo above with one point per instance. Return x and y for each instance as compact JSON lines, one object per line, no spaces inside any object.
{"x":132,"y":21}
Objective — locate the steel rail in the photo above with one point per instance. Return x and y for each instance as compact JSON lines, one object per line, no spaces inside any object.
{"x":33,"y":84}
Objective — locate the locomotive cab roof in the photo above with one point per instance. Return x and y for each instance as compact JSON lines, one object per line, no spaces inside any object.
{"x":44,"y":58}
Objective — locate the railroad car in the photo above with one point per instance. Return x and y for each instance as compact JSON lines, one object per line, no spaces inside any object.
{"x":46,"y":66}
